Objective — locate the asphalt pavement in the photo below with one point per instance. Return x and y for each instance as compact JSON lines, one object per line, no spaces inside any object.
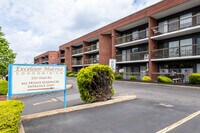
{"x":156,"y":108}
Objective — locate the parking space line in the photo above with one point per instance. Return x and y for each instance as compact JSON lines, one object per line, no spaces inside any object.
{"x":167,"y":129}
{"x":47,"y":101}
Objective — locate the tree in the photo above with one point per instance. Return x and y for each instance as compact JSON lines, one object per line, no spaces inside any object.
{"x":7,"y":56}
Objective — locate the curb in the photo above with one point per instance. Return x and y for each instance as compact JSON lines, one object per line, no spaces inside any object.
{"x":116,"y":99}
{"x":21,"y":130}
{"x":167,"y":85}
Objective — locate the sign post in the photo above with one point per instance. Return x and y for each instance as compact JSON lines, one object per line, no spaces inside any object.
{"x":36,"y":79}
{"x":112,"y":64}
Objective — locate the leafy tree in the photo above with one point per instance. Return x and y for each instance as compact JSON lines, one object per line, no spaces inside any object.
{"x":7,"y":56}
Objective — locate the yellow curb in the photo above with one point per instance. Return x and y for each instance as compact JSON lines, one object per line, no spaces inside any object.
{"x":116,"y":99}
{"x":21,"y":130}
{"x":180,"y":86}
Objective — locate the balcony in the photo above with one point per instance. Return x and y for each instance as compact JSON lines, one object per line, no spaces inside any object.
{"x":132,"y":39}
{"x":92,"y":61}
{"x":132,"y":57}
{"x":45,"y":60}
{"x":176,"y":28}
{"x":77,"y":52}
{"x":91,"y":49}
{"x":77,"y":63}
{"x":177,"y":53}
{"x":62,"y":55}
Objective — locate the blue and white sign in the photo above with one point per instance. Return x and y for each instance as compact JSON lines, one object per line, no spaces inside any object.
{"x":33,"y":79}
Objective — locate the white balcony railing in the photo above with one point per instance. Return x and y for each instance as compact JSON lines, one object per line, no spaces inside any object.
{"x":177,"y":25}
{"x":132,"y":37}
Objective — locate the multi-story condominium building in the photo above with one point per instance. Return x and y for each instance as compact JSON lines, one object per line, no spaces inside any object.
{"x":50,"y":57}
{"x":163,"y":39}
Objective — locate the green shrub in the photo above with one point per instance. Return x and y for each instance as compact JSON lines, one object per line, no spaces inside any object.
{"x":68,"y":72}
{"x":10,"y":112}
{"x":194,"y":78}
{"x":133,"y":78}
{"x":95,"y":83}
{"x":146,"y":79}
{"x":118,"y":76}
{"x":72,"y":75}
{"x":164,"y":79}
{"x":3,"y":87}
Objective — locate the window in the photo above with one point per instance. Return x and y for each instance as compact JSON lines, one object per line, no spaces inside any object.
{"x":186,"y":20}
{"x":142,"y":34}
{"x":198,"y":19}
{"x":173,"y":24}
{"x":186,"y":47}
{"x":198,"y":47}
{"x":134,"y":35}
{"x":163,"y":27}
{"x":174,"y":49}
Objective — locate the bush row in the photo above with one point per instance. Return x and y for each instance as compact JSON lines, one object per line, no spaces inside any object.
{"x":194,"y":78}
{"x":71,"y":74}
{"x":3,"y":87}
{"x":10,"y":112}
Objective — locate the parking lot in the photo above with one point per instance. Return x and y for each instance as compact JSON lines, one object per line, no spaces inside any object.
{"x":158,"y":109}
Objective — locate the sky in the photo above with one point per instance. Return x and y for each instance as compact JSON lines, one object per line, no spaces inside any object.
{"x":33,"y":27}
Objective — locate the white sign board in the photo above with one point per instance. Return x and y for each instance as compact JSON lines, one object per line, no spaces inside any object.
{"x":33,"y":79}
{"x":112,"y":64}
{"x":28,"y":79}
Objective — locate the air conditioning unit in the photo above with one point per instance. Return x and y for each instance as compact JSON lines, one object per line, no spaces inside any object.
{"x":146,"y":57}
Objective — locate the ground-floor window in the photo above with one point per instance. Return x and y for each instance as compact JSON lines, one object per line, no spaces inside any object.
{"x":136,"y":70}
{"x":179,"y":72}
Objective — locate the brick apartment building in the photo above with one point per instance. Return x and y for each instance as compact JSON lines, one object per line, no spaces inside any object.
{"x":49,"y":57}
{"x":161,"y":39}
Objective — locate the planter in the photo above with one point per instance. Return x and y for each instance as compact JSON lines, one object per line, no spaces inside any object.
{"x":3,"y":97}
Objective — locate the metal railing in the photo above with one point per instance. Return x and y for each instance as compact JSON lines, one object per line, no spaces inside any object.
{"x":77,"y":51}
{"x":188,"y":50}
{"x":91,"y":48}
{"x":177,"y":25}
{"x":132,"y":37}
{"x":132,"y":56}
{"x":62,"y":55}
{"x":77,"y":62}
{"x":45,"y":60}
{"x":92,"y":61}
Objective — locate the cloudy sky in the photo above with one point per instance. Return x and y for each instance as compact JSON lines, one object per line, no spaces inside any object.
{"x":33,"y":27}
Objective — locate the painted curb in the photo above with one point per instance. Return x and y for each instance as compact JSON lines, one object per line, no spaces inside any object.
{"x":167,"y":85}
{"x":21,"y":130}
{"x":116,"y":99}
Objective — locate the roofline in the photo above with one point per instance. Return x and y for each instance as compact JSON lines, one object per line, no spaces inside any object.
{"x":114,"y":25}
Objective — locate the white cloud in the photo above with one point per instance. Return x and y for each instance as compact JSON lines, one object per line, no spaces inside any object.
{"x":41,"y":25}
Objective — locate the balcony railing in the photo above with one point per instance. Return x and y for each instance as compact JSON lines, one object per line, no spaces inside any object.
{"x":45,"y":60}
{"x":62,"y":55}
{"x":77,"y":62}
{"x":92,"y":61}
{"x":132,"y":37}
{"x":77,"y":51}
{"x":177,"y":25}
{"x":188,"y":50}
{"x":132,"y":56}
{"x":91,"y":48}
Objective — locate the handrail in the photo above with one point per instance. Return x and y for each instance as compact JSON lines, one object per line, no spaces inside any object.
{"x":91,"y":48}
{"x":179,"y":20}
{"x":187,"y":50}
{"x":131,"y":37}
{"x":77,"y":51}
